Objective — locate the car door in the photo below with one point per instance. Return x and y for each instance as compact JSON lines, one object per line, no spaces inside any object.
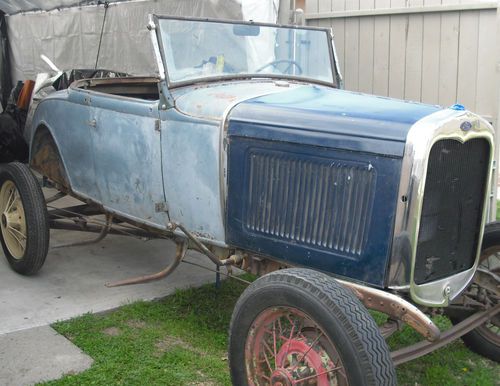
{"x":127,"y":157}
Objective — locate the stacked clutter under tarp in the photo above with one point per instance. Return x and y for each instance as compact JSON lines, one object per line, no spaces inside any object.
{"x":13,"y":146}
{"x":23,"y":101}
{"x":73,"y":33}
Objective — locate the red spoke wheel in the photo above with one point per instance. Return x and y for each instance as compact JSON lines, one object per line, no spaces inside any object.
{"x":286,"y":348}
{"x":300,"y":327}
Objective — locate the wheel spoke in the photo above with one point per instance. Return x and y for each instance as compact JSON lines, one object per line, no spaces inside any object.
{"x":11,"y":200}
{"x":289,"y":342}
{"x":268,"y":363}
{"x":5,"y":202}
{"x":308,"y":350}
{"x":274,"y":341}
{"x":295,"y":382}
{"x":269,"y":349}
{"x":15,"y":237}
{"x":21,"y":234}
{"x":281,"y":328}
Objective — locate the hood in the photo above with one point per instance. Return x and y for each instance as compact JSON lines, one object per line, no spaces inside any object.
{"x":210,"y":101}
{"x":323,"y":116}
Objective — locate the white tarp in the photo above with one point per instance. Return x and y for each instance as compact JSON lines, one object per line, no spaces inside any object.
{"x":12,"y":7}
{"x":70,"y":36}
{"x":264,"y":11}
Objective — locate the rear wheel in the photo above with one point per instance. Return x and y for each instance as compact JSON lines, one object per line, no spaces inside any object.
{"x":300,"y":327}
{"x":485,"y":339}
{"x":24,"y":228}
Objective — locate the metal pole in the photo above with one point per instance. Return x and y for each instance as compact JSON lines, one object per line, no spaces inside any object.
{"x":493,"y":208}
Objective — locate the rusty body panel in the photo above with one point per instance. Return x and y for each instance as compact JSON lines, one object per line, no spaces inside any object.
{"x":107,"y":142}
{"x":211,"y":101}
{"x":45,"y":159}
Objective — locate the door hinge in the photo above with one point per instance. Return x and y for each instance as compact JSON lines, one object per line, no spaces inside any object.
{"x":161,"y":207}
{"x":157,"y":125}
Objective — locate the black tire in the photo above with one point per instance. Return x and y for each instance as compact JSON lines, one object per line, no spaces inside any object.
{"x":337,"y":313}
{"x":482,"y":340}
{"x":29,"y":259}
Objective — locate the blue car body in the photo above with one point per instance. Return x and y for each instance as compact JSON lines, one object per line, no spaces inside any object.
{"x":123,"y":154}
{"x":298,"y":172}
{"x":320,"y":148}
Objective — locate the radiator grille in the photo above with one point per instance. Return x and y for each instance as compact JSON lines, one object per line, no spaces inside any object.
{"x":452,"y":208}
{"x":316,"y":202}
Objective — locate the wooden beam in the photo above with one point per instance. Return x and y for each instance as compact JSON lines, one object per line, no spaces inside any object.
{"x":402,"y":10}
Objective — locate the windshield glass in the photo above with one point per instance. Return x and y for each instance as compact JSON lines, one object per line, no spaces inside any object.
{"x":195,"y":50}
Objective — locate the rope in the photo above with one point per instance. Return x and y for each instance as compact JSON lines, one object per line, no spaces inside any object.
{"x":106,"y":6}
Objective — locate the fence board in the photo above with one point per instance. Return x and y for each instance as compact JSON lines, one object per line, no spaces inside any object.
{"x":486,"y":97}
{"x":351,"y":49}
{"x":397,"y":55}
{"x":338,"y":26}
{"x":414,"y":52}
{"x":366,"y":48}
{"x":430,"y":57}
{"x":381,"y":39}
{"x":467,"y":59}
{"x":312,"y":6}
{"x":448,"y":59}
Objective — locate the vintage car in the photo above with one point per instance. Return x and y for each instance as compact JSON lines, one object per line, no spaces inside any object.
{"x":246,"y":149}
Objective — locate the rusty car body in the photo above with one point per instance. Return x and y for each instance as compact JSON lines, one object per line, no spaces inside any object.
{"x":259,"y":160}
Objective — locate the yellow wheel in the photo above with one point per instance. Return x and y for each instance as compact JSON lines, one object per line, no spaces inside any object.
{"x":13,"y":220}
{"x":24,"y":228}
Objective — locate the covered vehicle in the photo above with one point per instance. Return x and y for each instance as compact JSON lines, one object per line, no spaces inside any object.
{"x":246,"y":149}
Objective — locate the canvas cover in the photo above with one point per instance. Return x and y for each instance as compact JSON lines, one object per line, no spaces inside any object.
{"x":12,"y":7}
{"x":70,"y":36}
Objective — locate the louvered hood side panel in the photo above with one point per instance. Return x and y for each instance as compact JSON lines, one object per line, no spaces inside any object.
{"x":314,"y":206}
{"x":314,"y":201}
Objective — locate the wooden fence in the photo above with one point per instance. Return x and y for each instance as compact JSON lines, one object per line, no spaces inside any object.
{"x":434,"y":51}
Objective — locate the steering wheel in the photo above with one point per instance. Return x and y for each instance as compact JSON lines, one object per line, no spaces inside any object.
{"x":275,"y":64}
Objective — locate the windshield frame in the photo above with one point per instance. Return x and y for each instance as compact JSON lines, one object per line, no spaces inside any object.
{"x":336,"y":78}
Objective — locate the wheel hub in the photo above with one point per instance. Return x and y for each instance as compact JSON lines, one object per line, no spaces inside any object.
{"x":300,"y":359}
{"x":286,"y":347}
{"x":281,"y":377}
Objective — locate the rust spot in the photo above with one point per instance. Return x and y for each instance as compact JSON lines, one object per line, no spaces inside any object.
{"x":223,"y":95}
{"x":45,"y":158}
{"x":260,"y":266}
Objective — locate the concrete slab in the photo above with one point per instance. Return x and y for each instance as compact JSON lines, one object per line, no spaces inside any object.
{"x":36,"y":355}
{"x":72,"y":280}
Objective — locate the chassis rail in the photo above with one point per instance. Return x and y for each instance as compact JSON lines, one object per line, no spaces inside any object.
{"x":422,"y":348}
{"x":77,"y":218}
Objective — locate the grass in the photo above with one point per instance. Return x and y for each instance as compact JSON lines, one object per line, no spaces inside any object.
{"x":182,"y":340}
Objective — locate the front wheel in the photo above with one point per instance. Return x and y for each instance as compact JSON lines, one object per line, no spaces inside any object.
{"x":301,"y":327}
{"x":24,"y":227}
